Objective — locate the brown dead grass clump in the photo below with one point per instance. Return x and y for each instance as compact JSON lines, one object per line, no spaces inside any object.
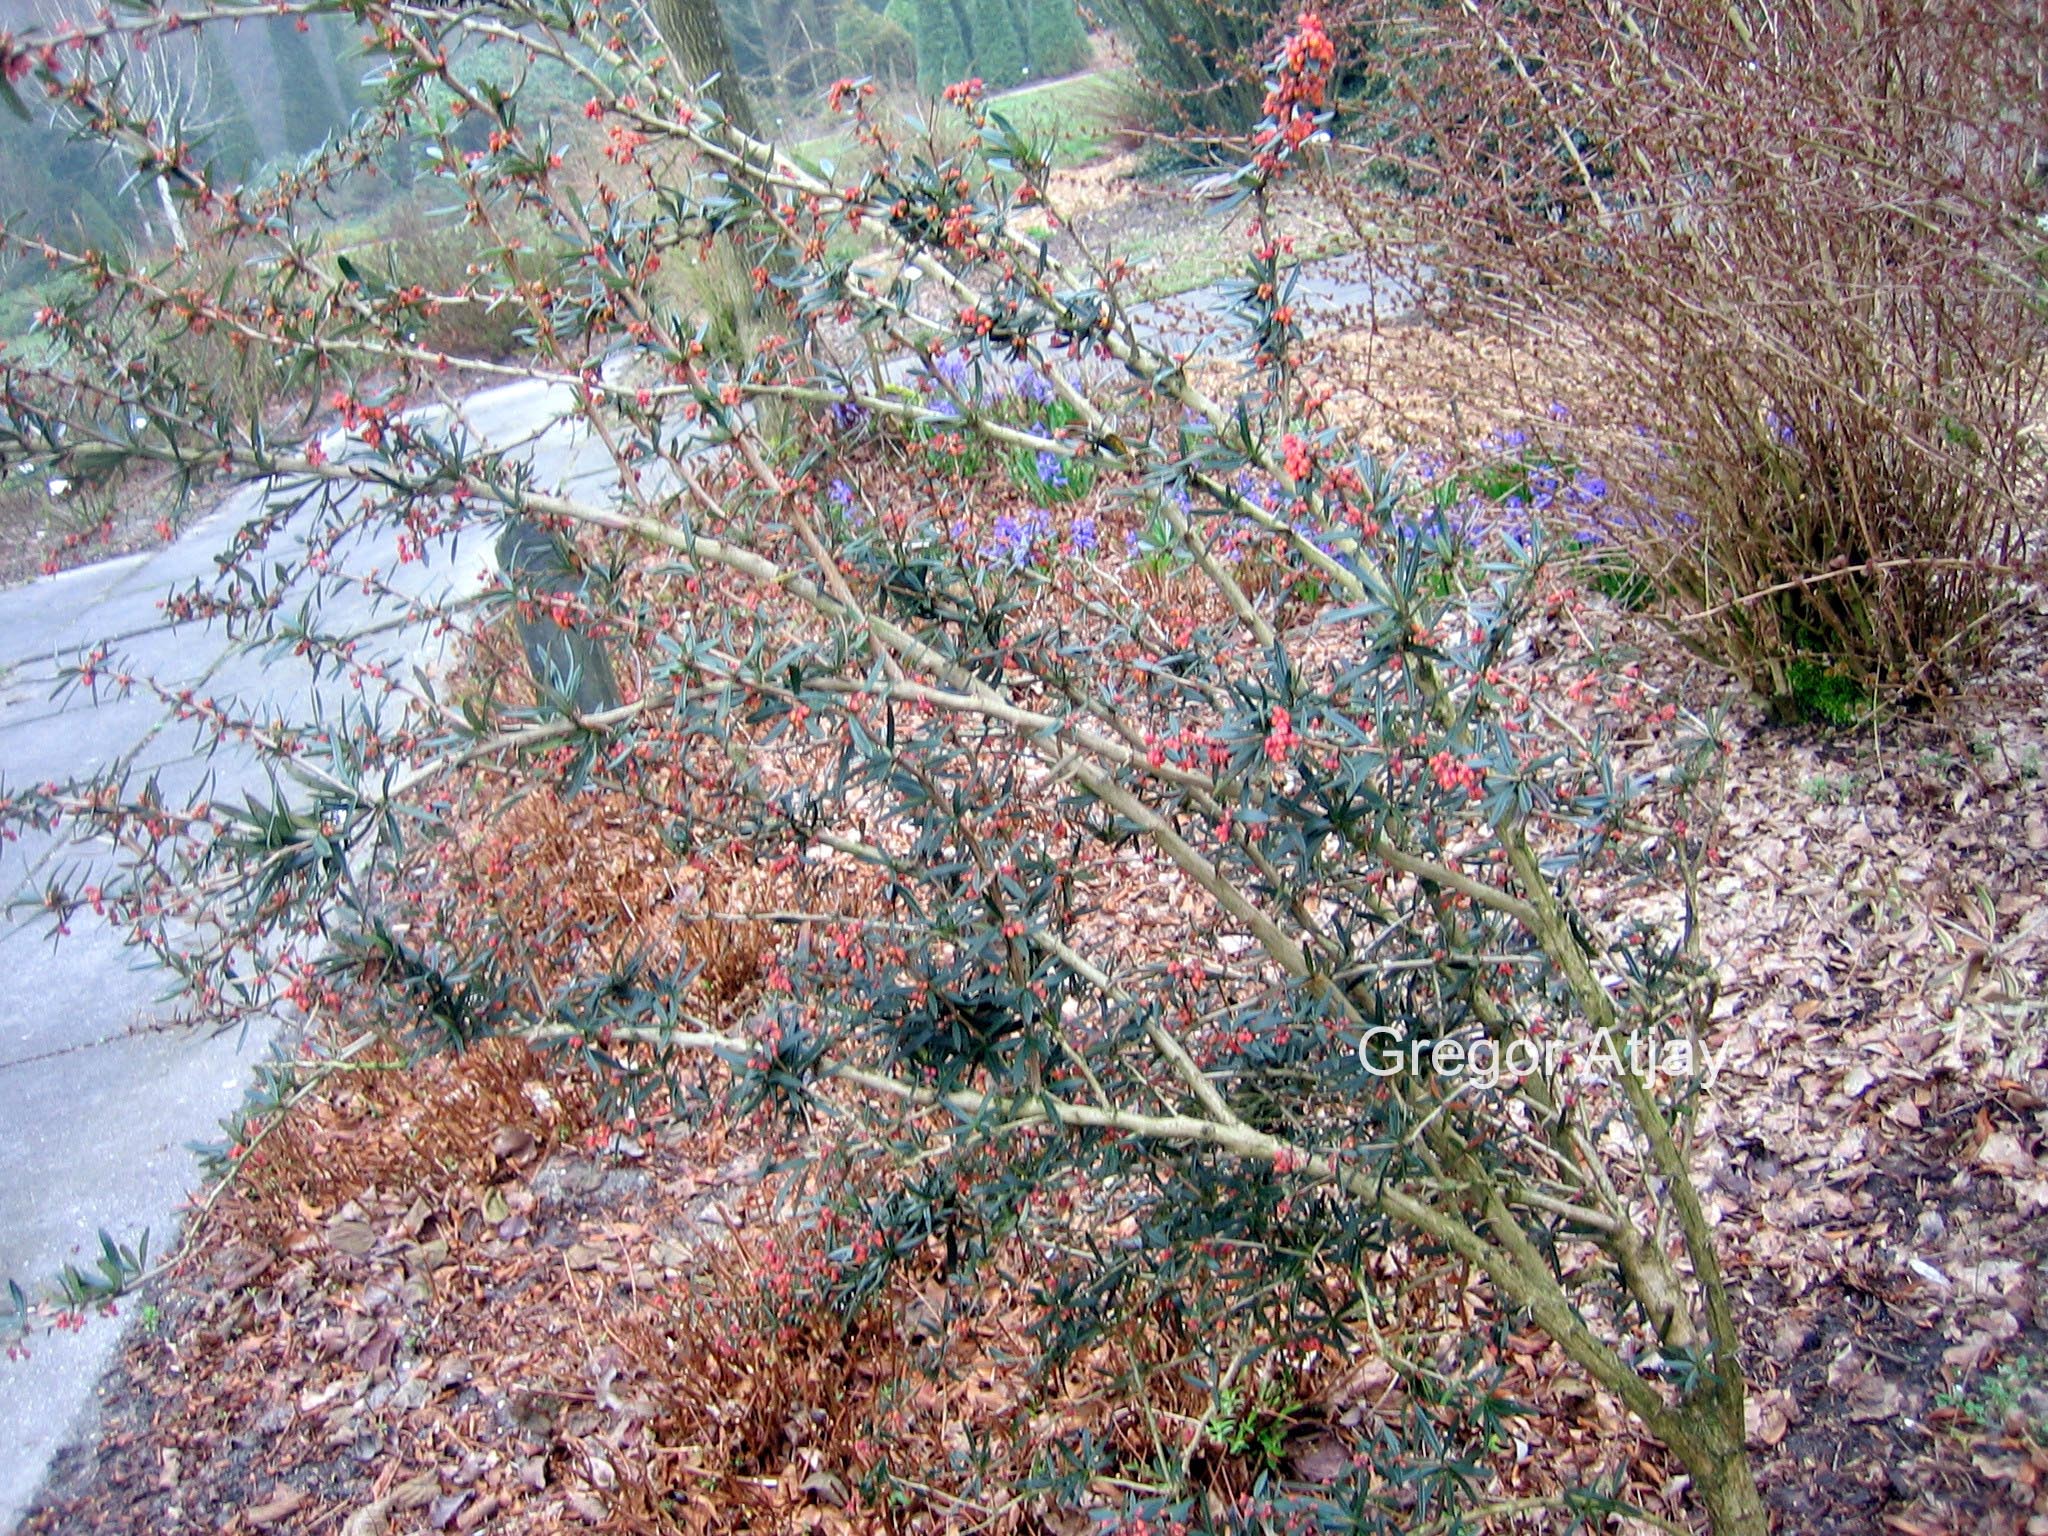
{"x":556,"y":869}
{"x":922,"y":1410}
{"x":391,"y":1122}
{"x":931,"y":1408}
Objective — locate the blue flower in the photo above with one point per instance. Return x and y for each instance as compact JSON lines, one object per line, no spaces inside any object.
{"x":1083,"y":536}
{"x":846,"y":415}
{"x":1036,"y":388}
{"x":841,"y":494}
{"x":1051,"y":470}
{"x":1014,"y":541}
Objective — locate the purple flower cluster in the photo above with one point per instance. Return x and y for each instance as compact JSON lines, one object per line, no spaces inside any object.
{"x":1014,"y":540}
{"x":1258,"y":489}
{"x":1426,"y":468}
{"x":950,"y":370}
{"x":1577,"y":498}
{"x":949,"y":374}
{"x":1035,"y":388}
{"x":1017,"y":541}
{"x":1569,"y":498}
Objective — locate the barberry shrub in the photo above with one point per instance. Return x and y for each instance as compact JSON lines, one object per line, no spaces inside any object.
{"x":1151,"y":816}
{"x":1799,"y":249}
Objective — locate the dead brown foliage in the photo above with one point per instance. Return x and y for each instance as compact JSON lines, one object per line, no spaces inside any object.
{"x":397,"y":1123}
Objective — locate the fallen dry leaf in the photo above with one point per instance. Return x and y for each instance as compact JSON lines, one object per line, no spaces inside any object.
{"x":2003,"y":1154}
{"x":1321,"y":1459}
{"x":283,"y":1502}
{"x":513,"y":1143}
{"x":1875,"y":1398}
{"x":1768,"y":1416}
{"x":351,"y":1236}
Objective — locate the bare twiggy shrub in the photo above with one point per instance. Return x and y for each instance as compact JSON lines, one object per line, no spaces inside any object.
{"x":1804,"y":242}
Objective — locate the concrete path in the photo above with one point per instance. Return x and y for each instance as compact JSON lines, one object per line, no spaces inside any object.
{"x":99,"y":1099}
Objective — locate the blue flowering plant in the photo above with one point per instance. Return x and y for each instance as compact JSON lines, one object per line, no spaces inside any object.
{"x":1050,"y":478}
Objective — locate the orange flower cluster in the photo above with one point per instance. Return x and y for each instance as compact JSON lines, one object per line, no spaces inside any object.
{"x":1299,"y":92}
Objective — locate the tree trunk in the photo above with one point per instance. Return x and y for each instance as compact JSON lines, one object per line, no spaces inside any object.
{"x":1728,"y":1489}
{"x":695,"y":35}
